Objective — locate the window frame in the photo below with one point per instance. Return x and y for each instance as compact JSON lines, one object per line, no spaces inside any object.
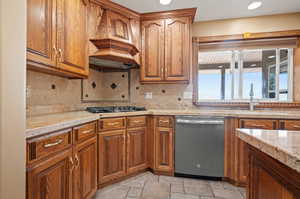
{"x":263,"y":103}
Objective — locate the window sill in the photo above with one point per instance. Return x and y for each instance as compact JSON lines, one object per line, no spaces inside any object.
{"x":245,"y":104}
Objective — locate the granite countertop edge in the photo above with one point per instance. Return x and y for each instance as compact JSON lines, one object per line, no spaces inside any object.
{"x":285,"y":156}
{"x":39,"y":125}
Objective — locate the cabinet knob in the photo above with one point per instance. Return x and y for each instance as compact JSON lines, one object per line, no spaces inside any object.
{"x":77,"y":160}
{"x":55,"y":51}
{"x":60,"y":54}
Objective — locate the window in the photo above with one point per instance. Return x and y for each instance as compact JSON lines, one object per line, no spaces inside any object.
{"x":228,"y":75}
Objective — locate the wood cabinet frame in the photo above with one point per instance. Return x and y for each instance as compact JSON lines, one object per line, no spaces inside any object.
{"x":281,"y":181}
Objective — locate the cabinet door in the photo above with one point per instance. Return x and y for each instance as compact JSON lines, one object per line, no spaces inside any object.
{"x":72,"y":36}
{"x":52,"y":178}
{"x":85,"y":172}
{"x":177,"y":49}
{"x":136,"y":149}
{"x":41,"y":32}
{"x":111,"y":156}
{"x":164,"y":149}
{"x":153,"y":35}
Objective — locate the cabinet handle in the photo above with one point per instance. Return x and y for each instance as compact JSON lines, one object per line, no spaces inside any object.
{"x":257,"y":125}
{"x":113,"y":123}
{"x":53,"y":144}
{"x":162,"y":70}
{"x":60,"y":54}
{"x":137,"y":121}
{"x":55,"y":51}
{"x":164,"y":121}
{"x":296,"y":126}
{"x":72,"y":163}
{"x":77,"y":160}
{"x":87,"y":131}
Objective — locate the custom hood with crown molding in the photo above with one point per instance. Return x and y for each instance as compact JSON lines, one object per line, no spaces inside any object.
{"x":114,"y":42}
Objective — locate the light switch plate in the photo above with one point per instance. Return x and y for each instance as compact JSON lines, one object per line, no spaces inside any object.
{"x":187,"y":95}
{"x":148,"y":95}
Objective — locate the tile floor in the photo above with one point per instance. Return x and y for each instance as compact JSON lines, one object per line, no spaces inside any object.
{"x":150,"y":186}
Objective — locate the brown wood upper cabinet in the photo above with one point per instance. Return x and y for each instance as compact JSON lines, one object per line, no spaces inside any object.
{"x":177,"y":49}
{"x":152,"y":68}
{"x":166,"y":47}
{"x":57,"y":37}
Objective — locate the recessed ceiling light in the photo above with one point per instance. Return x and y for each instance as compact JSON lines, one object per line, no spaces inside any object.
{"x":165,"y":2}
{"x":271,"y":57}
{"x":254,"y":5}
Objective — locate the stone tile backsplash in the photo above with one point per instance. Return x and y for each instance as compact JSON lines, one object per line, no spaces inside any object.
{"x":52,"y":94}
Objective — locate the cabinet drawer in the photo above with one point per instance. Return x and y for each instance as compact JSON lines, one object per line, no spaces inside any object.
{"x":84,"y":132}
{"x":164,"y":121}
{"x":258,"y":124}
{"x":38,"y":148}
{"x":293,"y":125}
{"x":112,"y":123}
{"x":139,"y":121}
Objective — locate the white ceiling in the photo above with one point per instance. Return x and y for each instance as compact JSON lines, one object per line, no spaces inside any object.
{"x":216,"y":9}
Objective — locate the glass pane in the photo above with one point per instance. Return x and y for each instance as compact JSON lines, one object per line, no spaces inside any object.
{"x":228,"y":80}
{"x":259,"y":69}
{"x":283,"y":75}
{"x":214,"y":76}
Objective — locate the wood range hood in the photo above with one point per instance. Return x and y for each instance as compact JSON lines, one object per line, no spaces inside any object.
{"x":114,"y":42}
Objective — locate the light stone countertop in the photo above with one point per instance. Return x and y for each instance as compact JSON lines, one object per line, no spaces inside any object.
{"x":39,"y":125}
{"x":281,"y":145}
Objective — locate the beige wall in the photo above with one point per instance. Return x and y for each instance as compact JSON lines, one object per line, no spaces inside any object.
{"x":12,"y":98}
{"x":252,"y":24}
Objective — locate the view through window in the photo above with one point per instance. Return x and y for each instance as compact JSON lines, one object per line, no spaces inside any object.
{"x":228,"y":75}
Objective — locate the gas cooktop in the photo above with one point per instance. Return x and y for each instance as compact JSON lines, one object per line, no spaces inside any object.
{"x":114,"y":109}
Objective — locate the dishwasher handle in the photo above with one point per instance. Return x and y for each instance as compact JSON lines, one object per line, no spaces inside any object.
{"x":187,"y":121}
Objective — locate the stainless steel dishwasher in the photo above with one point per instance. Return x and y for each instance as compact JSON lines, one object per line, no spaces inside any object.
{"x":199,"y":146}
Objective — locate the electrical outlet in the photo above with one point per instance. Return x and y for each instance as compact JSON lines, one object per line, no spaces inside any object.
{"x":187,"y":95}
{"x":148,"y":95}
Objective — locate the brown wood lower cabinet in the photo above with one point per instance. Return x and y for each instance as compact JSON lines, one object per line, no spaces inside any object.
{"x":122,"y":148}
{"x":237,"y":152}
{"x":269,"y":179}
{"x":164,"y":147}
{"x":65,"y":170}
{"x":111,"y":155}
{"x":85,"y":172}
{"x":51,"y":179}
{"x":136,"y":150}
